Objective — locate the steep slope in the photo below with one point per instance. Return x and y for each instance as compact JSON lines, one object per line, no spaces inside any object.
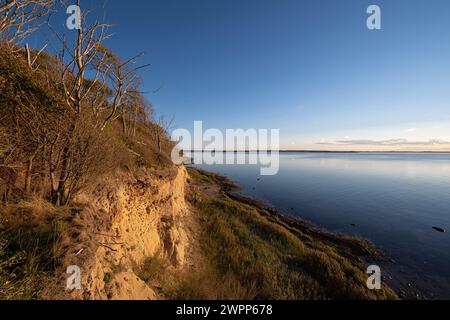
{"x":146,"y":217}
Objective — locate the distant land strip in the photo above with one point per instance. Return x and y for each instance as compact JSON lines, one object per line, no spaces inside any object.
{"x":311,"y":151}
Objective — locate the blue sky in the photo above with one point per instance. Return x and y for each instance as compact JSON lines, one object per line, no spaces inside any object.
{"x":309,"y":68}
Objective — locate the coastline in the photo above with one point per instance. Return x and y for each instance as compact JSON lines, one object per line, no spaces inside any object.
{"x":357,"y":252}
{"x":360,"y":251}
{"x":323,"y":151}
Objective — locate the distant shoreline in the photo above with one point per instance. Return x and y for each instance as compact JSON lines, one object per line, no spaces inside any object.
{"x":316,"y":151}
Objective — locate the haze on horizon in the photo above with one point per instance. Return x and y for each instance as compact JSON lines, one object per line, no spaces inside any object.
{"x":309,"y":68}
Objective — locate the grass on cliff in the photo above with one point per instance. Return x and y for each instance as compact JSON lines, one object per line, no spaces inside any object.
{"x":16,"y":273}
{"x":264,"y":259}
{"x":30,"y":248}
{"x":35,"y":131}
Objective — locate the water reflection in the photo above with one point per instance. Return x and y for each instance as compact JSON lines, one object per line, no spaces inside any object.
{"x":393,"y":199}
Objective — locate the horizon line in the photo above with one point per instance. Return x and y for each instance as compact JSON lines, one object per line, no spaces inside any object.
{"x":314,"y":151}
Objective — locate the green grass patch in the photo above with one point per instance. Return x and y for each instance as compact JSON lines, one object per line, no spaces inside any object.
{"x":20,"y":273}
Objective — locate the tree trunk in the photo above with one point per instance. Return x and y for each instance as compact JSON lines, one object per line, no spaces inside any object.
{"x":124,"y":125}
{"x":134,"y":126}
{"x":60,"y":191}
{"x":63,"y":176}
{"x":54,"y":196}
{"x":159,"y":143}
{"x":29,"y":173}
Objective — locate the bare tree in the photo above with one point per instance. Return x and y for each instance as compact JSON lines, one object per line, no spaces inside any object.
{"x":58,"y":127}
{"x":77,"y":58}
{"x":18,"y":18}
{"x":123,"y":80}
{"x":32,"y":61}
{"x":8,"y":175}
{"x":110,"y":74}
{"x":133,"y":113}
{"x":161,"y":129}
{"x":5,"y":143}
{"x":96,"y":85}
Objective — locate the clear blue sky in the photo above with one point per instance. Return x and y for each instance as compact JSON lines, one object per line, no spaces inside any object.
{"x":310,"y":68}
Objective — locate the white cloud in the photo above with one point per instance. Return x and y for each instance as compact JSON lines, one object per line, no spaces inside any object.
{"x":391,"y":142}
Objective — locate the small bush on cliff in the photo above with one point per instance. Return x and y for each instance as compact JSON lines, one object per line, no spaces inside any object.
{"x":153,"y":269}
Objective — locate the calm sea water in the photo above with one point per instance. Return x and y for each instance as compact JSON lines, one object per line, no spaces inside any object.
{"x":393,"y":200}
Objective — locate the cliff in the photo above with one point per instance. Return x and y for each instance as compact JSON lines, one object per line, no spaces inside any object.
{"x":128,"y":220}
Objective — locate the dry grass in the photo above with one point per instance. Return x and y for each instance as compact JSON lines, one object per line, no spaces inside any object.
{"x":209,"y":285}
{"x":153,"y":269}
{"x":212,"y":179}
{"x":31,"y":234}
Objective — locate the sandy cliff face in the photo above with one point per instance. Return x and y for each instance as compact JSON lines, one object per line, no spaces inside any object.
{"x":128,"y":221}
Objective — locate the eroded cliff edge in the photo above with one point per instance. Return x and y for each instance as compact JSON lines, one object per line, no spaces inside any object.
{"x":129,"y":219}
